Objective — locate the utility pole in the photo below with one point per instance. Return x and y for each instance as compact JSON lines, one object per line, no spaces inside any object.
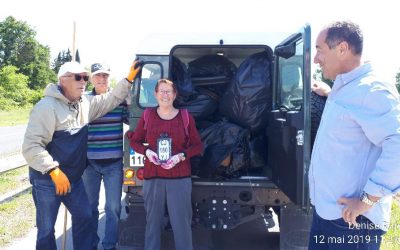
{"x":74,"y":43}
{"x":64,"y":235}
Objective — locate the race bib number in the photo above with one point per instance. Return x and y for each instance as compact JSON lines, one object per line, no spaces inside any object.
{"x":164,"y":148}
{"x":136,"y":159}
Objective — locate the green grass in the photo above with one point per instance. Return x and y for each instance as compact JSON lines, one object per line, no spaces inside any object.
{"x":391,"y":240}
{"x":14,"y":117}
{"x":17,"y":217}
{"x":13,"y":179}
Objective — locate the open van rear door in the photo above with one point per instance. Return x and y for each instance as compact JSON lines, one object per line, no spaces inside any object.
{"x":289,"y":128}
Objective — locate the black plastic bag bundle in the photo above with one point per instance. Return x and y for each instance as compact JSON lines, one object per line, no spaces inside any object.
{"x":258,"y":151}
{"x":201,"y":104}
{"x":222,"y":140}
{"x":247,"y":100}
{"x":180,"y":76}
{"x":212,"y":65}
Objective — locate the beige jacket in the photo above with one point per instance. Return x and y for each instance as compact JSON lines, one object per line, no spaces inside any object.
{"x":56,"y":113}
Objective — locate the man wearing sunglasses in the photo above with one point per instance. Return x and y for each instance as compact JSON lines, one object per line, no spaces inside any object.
{"x":55,"y":148}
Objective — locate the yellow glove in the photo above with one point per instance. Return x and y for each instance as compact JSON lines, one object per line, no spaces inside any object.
{"x":60,"y":181}
{"x":136,"y":65}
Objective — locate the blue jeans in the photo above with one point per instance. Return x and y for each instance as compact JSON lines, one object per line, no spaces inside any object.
{"x":47,"y":203}
{"x":111,"y":173}
{"x":337,"y":234}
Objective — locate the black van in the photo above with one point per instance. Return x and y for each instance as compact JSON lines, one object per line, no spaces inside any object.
{"x":258,"y":84}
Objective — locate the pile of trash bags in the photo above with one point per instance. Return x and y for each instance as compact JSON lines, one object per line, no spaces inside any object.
{"x":230,"y":105}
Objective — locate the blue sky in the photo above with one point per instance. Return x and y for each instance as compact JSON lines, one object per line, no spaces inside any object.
{"x":110,"y":31}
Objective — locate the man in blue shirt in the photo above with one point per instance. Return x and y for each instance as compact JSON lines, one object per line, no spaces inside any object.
{"x":355,"y":163}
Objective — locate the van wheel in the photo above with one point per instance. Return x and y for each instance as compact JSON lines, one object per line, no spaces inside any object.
{"x":317,"y":107}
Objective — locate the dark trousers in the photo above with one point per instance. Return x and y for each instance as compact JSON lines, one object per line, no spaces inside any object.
{"x":176,"y":195}
{"x":337,"y":234}
{"x":47,"y":204}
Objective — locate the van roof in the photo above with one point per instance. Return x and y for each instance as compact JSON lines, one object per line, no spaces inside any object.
{"x":161,"y":44}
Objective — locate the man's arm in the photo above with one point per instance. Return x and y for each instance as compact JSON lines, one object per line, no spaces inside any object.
{"x":39,"y":132}
{"x":102,"y":104}
{"x":380,"y":121}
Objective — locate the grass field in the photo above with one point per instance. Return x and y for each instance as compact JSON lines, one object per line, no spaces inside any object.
{"x":17,"y":217}
{"x":14,"y":117}
{"x":391,"y":240}
{"x":13,"y":179}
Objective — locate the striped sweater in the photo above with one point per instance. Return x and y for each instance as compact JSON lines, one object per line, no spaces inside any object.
{"x":105,"y":138}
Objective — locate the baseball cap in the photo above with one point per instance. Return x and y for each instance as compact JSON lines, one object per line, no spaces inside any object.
{"x":71,"y":67}
{"x":99,"y":68}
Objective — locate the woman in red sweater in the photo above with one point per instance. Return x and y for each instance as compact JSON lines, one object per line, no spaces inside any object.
{"x":167,"y":180}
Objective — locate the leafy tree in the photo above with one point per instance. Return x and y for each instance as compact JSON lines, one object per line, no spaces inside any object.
{"x":398,"y":81}
{"x":18,"y":47}
{"x":63,"y":57}
{"x":320,"y":77}
{"x":14,"y":91}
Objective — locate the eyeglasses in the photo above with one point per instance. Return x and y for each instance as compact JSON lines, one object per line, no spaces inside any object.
{"x":166,"y":92}
{"x":79,"y":77}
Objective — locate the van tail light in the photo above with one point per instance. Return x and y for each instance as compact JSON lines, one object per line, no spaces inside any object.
{"x":140,"y":173}
{"x":129,"y":173}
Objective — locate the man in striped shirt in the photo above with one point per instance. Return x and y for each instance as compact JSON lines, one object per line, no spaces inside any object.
{"x":105,"y":152}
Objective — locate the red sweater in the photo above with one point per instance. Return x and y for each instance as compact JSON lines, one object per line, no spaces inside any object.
{"x":190,"y":145}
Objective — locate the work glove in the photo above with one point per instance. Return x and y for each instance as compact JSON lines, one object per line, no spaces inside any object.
{"x":152,"y":156}
{"x":171,"y":162}
{"x":136,"y":66}
{"x":60,"y":181}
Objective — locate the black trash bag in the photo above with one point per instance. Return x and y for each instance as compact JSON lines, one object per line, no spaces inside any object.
{"x":258,"y":151}
{"x":195,"y":165}
{"x":216,"y":84}
{"x":214,"y":155}
{"x":248,"y":98}
{"x":212,"y":65}
{"x":180,"y":76}
{"x":201,"y":104}
{"x":223,"y":140}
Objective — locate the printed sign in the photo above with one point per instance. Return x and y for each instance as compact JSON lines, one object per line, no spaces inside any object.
{"x":164,"y":148}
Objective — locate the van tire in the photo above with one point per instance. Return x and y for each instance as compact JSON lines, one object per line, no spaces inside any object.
{"x":317,"y":107}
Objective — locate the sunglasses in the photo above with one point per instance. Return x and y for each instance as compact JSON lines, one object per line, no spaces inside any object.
{"x":79,"y":77}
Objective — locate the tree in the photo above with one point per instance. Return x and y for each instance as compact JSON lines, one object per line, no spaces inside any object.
{"x":14,"y":91}
{"x":398,"y":81}
{"x":320,"y":77}
{"x":77,"y":57}
{"x":18,"y":47}
{"x":63,"y":57}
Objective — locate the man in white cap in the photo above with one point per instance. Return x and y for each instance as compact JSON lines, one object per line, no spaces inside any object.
{"x":105,"y":152}
{"x":55,"y":147}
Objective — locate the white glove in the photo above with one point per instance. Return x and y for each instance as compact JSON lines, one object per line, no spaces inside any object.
{"x":175,"y":159}
{"x":152,"y":157}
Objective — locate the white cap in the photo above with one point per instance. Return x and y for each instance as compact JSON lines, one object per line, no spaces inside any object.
{"x":71,"y":67}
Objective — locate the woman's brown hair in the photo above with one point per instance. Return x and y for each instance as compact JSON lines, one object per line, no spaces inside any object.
{"x":168,"y":82}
